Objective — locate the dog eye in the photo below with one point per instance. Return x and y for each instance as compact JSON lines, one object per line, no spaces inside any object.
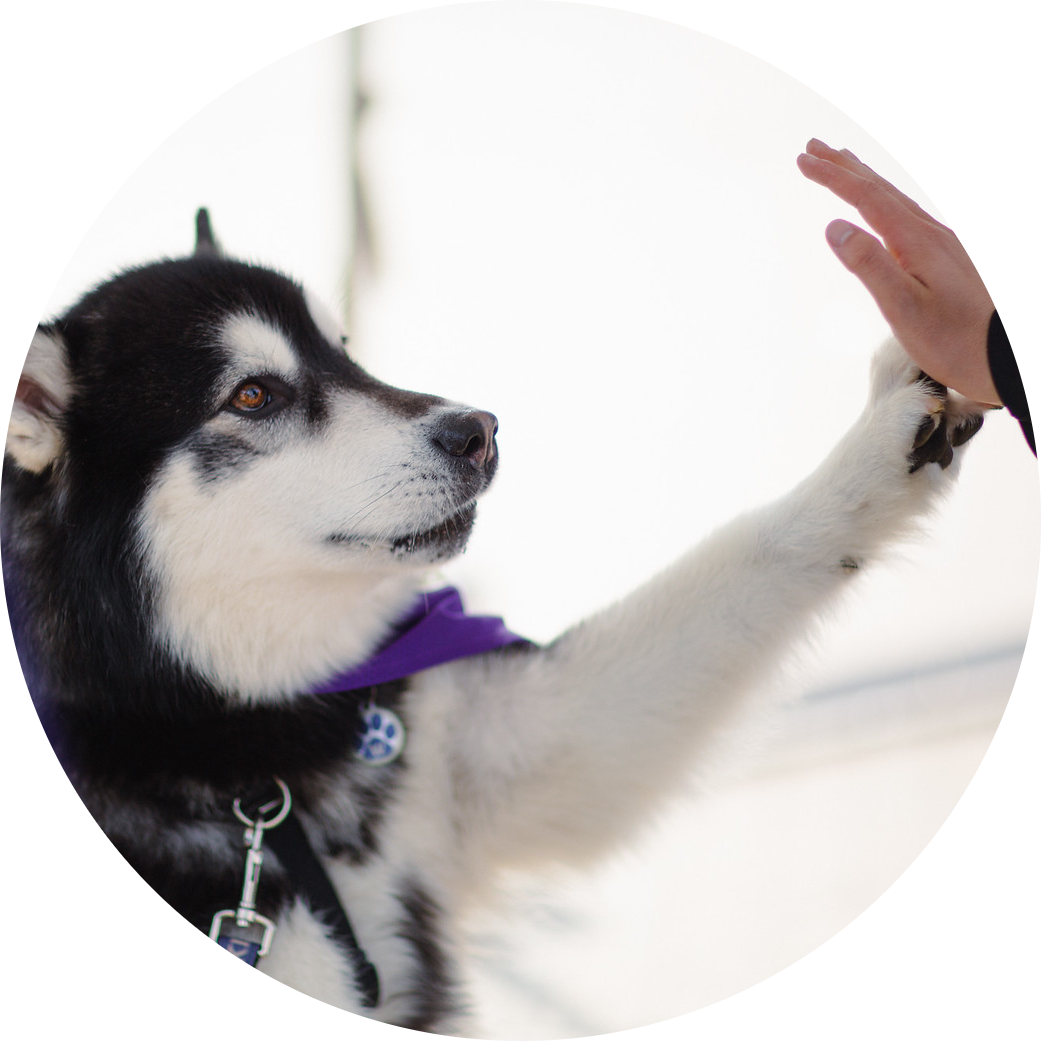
{"x":250,"y":397}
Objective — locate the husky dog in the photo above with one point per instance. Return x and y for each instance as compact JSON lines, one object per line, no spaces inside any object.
{"x":210,"y":512}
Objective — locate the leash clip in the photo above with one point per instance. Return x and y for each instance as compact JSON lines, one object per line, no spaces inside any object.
{"x":237,"y":930}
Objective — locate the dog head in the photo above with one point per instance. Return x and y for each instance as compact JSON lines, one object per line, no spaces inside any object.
{"x":194,"y":442}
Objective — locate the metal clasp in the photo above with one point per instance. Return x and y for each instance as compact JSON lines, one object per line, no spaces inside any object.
{"x":241,"y":937}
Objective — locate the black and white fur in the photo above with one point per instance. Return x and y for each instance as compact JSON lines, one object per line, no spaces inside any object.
{"x":208,"y":507}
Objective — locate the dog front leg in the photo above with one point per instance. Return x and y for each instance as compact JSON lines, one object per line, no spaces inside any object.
{"x":560,"y":753}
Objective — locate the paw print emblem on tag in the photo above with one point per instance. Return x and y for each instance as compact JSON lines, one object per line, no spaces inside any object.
{"x":382,"y":738}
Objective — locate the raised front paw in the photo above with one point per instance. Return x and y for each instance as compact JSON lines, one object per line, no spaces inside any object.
{"x":943,"y":430}
{"x":938,"y":422}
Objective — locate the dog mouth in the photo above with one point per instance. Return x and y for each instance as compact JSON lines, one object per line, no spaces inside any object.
{"x":445,"y":539}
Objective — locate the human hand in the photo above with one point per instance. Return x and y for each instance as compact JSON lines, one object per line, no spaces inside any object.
{"x":922,"y":279}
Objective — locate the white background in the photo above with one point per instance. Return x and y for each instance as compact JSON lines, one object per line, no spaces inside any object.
{"x":590,"y":223}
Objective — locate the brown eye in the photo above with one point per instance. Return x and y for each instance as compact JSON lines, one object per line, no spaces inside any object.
{"x":250,"y":397}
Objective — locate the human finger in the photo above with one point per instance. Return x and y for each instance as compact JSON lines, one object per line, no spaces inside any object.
{"x":895,"y":290}
{"x":847,"y":159}
{"x":899,"y":227}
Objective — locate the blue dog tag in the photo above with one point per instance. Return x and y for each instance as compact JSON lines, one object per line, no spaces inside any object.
{"x":246,"y":950}
{"x":382,"y":738}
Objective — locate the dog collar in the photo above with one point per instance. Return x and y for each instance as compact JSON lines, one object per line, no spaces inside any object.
{"x":436,"y":630}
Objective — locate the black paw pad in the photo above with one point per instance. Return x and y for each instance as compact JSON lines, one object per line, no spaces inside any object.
{"x":968,"y":428}
{"x":937,"y":437}
{"x":935,"y":448}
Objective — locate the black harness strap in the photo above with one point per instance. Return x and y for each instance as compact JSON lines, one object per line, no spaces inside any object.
{"x":309,"y":880}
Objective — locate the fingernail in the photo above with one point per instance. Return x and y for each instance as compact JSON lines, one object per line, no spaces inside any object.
{"x":837,"y":232}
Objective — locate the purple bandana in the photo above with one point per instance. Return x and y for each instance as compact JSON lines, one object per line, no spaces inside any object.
{"x":436,"y":630}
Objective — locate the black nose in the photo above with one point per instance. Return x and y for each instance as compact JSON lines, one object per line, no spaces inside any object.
{"x":469,"y":436}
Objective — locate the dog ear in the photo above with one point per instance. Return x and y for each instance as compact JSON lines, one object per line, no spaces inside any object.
{"x":35,"y":437}
{"x":206,"y":243}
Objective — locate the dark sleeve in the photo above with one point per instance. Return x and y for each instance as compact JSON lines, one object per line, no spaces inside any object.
{"x":1005,"y":373}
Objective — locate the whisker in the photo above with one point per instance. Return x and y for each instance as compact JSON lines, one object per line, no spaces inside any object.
{"x":372,"y":502}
